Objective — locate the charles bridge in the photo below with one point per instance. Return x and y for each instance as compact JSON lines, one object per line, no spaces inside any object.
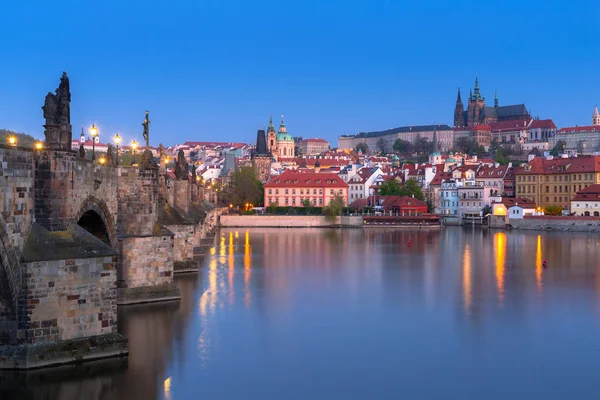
{"x":78,"y":239}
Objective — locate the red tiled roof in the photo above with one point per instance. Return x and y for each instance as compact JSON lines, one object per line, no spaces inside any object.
{"x":573,"y":129}
{"x":317,"y":140}
{"x":291,"y":178}
{"x":402,"y":202}
{"x":542,"y":124}
{"x":481,"y":127}
{"x":485,"y":171}
{"x":540,"y":165}
{"x":439,"y":177}
{"x":510,"y":126}
{"x":513,"y":201}
{"x":590,"y":193}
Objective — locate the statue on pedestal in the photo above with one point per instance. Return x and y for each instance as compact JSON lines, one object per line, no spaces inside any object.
{"x":57,"y":113}
{"x":181,"y":167}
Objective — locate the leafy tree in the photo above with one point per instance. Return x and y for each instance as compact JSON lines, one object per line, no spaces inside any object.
{"x":362,"y":147}
{"x":306,"y":203}
{"x":271,"y":208}
{"x":422,"y":145}
{"x":536,"y":152}
{"x":23,"y":139}
{"x":493,"y":147}
{"x":381,"y":145}
{"x":553,"y":210}
{"x":466,"y":145}
{"x":411,"y":188}
{"x":487,"y":210}
{"x":389,"y":188}
{"x":480,"y":150}
{"x":334,"y":208}
{"x":558,"y":148}
{"x":246,"y":188}
{"x":402,"y":146}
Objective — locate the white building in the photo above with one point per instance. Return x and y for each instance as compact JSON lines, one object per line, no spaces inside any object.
{"x":360,"y":183}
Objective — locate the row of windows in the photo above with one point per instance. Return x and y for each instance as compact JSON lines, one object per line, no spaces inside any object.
{"x":587,"y":205}
{"x":292,"y":201}
{"x":557,"y":178}
{"x":301,"y":191}
{"x":557,"y":189}
{"x":357,"y":196}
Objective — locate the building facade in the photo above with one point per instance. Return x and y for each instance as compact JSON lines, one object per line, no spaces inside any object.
{"x":291,"y":188}
{"x":313,"y":146}
{"x":555,"y":181}
{"x":478,"y":113}
{"x":586,"y":202}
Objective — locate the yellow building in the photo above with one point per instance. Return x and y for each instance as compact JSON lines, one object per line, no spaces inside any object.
{"x":556,"y":181}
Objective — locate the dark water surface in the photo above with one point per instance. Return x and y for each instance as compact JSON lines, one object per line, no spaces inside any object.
{"x":361,"y":314}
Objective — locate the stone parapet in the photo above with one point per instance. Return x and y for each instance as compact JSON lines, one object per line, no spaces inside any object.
{"x":288,"y":221}
{"x":549,"y":223}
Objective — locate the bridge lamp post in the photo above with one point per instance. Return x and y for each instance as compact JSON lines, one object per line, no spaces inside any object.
{"x":102,"y":160}
{"x":12,"y":140}
{"x":93,"y":134}
{"x":39,"y":146}
{"x":134,"y":146}
{"x":117,"y":140}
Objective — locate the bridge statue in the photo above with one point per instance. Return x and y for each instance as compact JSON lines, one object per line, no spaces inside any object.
{"x":57,"y":113}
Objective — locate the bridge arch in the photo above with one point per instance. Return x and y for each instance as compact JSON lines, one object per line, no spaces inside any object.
{"x":94,"y":216}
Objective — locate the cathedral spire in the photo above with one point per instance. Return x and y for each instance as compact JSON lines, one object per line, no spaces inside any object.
{"x":435,"y":140}
{"x":496,"y":99}
{"x":596,"y":117}
{"x":459,"y":117}
{"x":476,"y":94}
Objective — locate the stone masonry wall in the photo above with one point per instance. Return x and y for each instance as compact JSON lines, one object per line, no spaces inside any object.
{"x":183,"y":242}
{"x":573,"y":224}
{"x":146,"y":261}
{"x":65,"y":184}
{"x":16,"y":216}
{"x":68,"y":299}
{"x":138,"y":202}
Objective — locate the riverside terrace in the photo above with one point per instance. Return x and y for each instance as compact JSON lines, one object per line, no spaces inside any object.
{"x":77,"y":238}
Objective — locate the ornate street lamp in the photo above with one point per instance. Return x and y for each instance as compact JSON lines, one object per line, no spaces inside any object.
{"x":117,"y":140}
{"x":39,"y":145}
{"x":12,"y":140}
{"x":102,"y":160}
{"x":93,"y":134}
{"x":134,"y":146}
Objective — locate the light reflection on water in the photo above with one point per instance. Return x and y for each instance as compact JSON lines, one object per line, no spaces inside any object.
{"x":370,"y":313}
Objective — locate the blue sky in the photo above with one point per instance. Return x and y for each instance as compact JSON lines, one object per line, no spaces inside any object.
{"x":215,"y":69}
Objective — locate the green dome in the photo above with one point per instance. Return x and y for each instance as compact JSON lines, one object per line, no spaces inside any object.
{"x":284,"y":136}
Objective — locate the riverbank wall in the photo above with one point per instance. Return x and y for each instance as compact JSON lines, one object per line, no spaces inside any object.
{"x":288,"y":221}
{"x":557,"y":223}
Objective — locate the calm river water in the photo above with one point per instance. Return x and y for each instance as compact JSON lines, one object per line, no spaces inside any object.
{"x":361,"y":314}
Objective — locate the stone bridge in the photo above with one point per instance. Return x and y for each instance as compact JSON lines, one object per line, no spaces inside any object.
{"x":78,"y":238}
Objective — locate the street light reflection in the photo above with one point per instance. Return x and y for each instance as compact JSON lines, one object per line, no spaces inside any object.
{"x":466,"y":278}
{"x":500,"y":249}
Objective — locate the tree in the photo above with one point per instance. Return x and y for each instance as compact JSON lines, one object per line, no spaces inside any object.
{"x":334,"y":208}
{"x":246,"y":188}
{"x":500,"y":157}
{"x":23,"y":139}
{"x":480,"y":150}
{"x":381,"y":145}
{"x":389,"y":188}
{"x":422,"y":145}
{"x":362,"y":147}
{"x":553,"y":210}
{"x":411,"y":188}
{"x":466,"y":145}
{"x":306,"y":203}
{"x":493,"y":147}
{"x":486,"y":210}
{"x":536,"y":152}
{"x":271,"y":208}
{"x":558,"y":148}
{"x":402,"y":146}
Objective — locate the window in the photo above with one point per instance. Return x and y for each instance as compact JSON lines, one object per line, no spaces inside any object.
{"x":320,"y":191}
{"x":269,"y":191}
{"x":286,"y":191}
{"x":330,"y":191}
{"x":276,"y":191}
{"x":293,"y":200}
{"x":314,"y":191}
{"x":286,"y":201}
{"x":320,"y":200}
{"x":293,"y":191}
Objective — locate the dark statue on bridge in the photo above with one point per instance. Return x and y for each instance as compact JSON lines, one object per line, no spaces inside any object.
{"x":57,"y":113}
{"x":81,"y":151}
{"x":181,"y":167}
{"x":146,"y":132}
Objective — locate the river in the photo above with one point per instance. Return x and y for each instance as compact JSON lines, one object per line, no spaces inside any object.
{"x":367,"y":313}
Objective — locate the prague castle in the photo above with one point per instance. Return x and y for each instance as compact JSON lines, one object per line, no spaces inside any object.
{"x":477,"y":113}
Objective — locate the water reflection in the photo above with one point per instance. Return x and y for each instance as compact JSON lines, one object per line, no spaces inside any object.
{"x":365,"y":313}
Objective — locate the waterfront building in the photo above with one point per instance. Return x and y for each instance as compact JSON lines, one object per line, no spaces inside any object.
{"x":292,"y":187}
{"x":493,"y":176}
{"x":478,"y":113}
{"x":587,"y":202}
{"x":443,"y":134}
{"x":403,"y":205}
{"x":513,"y":207}
{"x":448,"y":199}
{"x":555,"y":181}
{"x":360,"y":184}
{"x":313,"y":146}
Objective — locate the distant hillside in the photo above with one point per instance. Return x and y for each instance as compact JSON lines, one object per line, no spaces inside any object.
{"x":23,"y":139}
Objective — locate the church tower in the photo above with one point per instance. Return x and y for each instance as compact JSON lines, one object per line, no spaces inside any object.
{"x":596,"y":117}
{"x":261,"y":158}
{"x":476,"y":106}
{"x":271,"y":137}
{"x":459,"y":111}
